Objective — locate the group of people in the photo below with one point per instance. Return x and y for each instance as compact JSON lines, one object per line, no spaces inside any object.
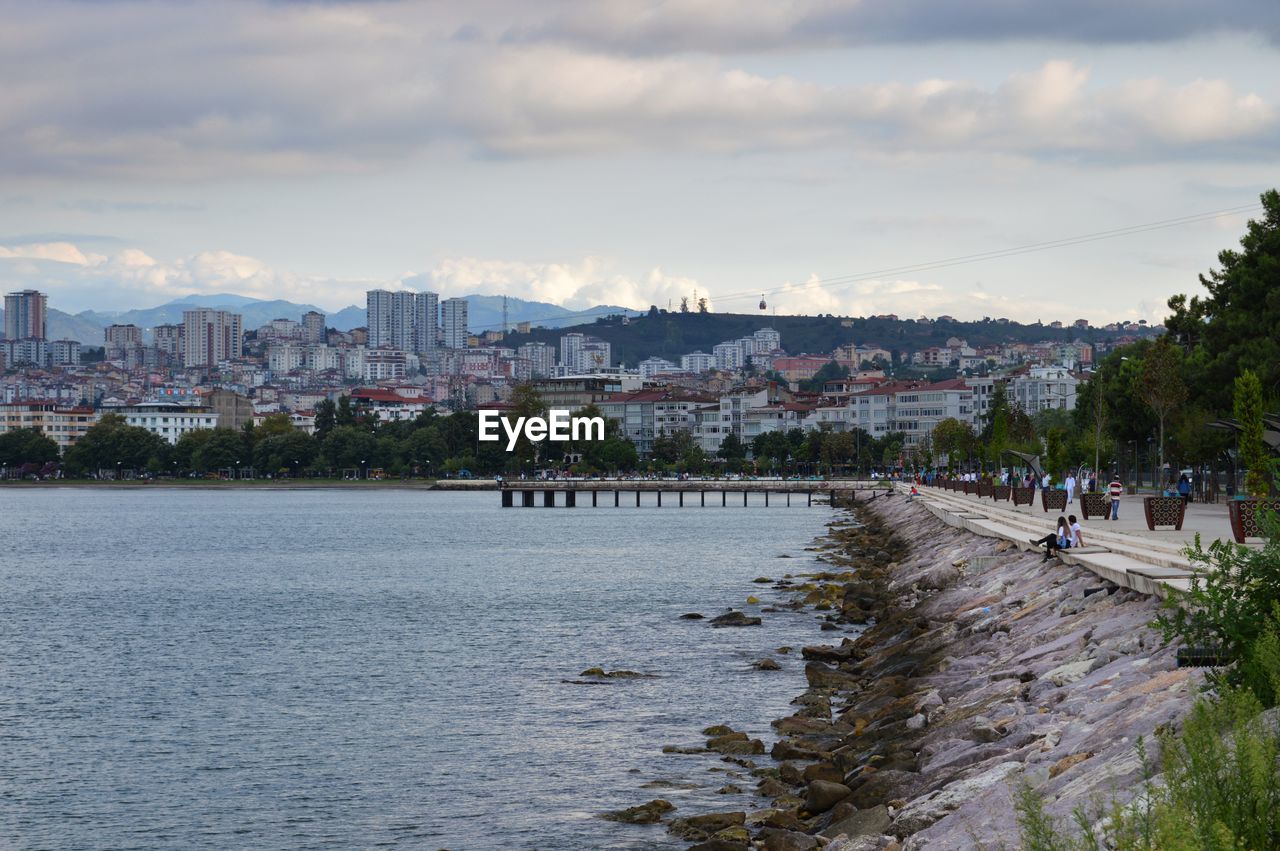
{"x":1066,"y":536}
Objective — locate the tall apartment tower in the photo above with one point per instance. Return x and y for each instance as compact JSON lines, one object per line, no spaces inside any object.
{"x":211,"y":336}
{"x":453,"y":316}
{"x":169,"y":340}
{"x":426,"y":322}
{"x":313,"y":327}
{"x":389,"y":318}
{"x":26,"y":315}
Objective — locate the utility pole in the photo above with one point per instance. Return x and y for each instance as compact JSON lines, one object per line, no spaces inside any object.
{"x":504,"y":317}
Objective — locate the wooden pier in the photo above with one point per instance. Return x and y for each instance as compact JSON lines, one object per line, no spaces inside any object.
{"x":679,"y":494}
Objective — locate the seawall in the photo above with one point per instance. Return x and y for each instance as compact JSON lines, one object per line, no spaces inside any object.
{"x":985,"y":667}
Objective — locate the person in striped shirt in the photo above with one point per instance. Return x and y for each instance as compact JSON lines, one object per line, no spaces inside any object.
{"x":1115,"y":489}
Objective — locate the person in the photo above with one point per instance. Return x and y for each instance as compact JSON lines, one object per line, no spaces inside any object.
{"x":1044,"y":485}
{"x":1115,"y":489}
{"x":1093,"y":482}
{"x":1184,"y":488}
{"x":1071,"y":487}
{"x":914,"y":493}
{"x":1059,"y":540}
{"x":1077,"y":539}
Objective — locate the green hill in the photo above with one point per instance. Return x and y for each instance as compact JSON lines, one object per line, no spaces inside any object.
{"x":669,"y":335}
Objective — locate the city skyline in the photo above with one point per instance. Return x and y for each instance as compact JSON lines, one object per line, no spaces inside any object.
{"x":632,"y":154}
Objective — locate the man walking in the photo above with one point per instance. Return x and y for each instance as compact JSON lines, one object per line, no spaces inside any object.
{"x":1071,"y":487}
{"x":1115,"y":489}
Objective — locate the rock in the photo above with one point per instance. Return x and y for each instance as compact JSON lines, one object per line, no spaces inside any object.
{"x":1068,"y":762}
{"x":871,"y":822}
{"x":691,"y":616}
{"x":791,"y":773}
{"x":822,"y":795}
{"x":771,"y":788}
{"x":729,"y":789}
{"x":762,"y":580}
{"x":737,"y":833}
{"x":784,"y":749}
{"x":682,"y":749}
{"x":1068,"y":673}
{"x":985,"y":731}
{"x":822,"y":771}
{"x":822,"y":676}
{"x":766,"y":664}
{"x":753,"y":600}
{"x":725,"y":738}
{"x":720,"y":845}
{"x":923,"y":812}
{"x":783,"y":650}
{"x":647,"y":813}
{"x":776,"y":839}
{"x":717,"y":730}
{"x":735,"y":618}
{"x":698,"y":828}
{"x":915,"y":722}
{"x":615,"y":675}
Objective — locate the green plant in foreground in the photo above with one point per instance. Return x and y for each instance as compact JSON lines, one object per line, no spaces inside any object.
{"x":1231,"y":604}
{"x":1220,"y":791}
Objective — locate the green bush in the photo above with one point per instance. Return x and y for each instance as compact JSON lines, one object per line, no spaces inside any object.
{"x":1233,"y":596}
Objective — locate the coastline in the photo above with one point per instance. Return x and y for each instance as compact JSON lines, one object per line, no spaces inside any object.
{"x":980,"y":669}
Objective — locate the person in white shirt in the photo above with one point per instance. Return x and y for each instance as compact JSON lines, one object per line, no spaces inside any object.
{"x":1077,"y":540}
{"x":1071,"y":487}
{"x":1044,"y":485}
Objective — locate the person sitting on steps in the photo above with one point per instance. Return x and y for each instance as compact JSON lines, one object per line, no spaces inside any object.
{"x":1060,"y":540}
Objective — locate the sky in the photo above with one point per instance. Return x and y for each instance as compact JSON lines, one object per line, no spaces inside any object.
{"x":824,"y":153}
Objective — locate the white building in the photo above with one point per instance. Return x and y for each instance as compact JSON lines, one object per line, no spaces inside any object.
{"x":1042,"y":388}
{"x":170,"y":420}
{"x":64,"y":353}
{"x":389,"y":318}
{"x":120,"y":338}
{"x":649,"y":367}
{"x":728,"y":355}
{"x":697,"y":362}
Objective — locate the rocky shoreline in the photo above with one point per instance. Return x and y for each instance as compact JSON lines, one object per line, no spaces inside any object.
{"x":980,"y":668}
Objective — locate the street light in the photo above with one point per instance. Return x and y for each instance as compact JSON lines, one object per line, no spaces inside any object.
{"x":364,"y":469}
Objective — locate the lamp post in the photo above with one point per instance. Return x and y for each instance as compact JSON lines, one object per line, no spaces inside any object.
{"x":364,"y":471}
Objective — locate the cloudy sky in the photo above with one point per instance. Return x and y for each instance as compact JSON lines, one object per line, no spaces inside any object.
{"x":826,"y":152}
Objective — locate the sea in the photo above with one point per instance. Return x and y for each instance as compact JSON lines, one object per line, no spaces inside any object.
{"x":330,"y":668}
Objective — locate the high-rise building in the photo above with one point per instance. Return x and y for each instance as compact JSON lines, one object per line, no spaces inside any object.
{"x":64,"y":353}
{"x":121,"y":338}
{"x":453,"y":315}
{"x":313,"y":327}
{"x":570,"y":350}
{"x":426,"y":322}
{"x":389,"y":318}
{"x":169,"y":341}
{"x":26,"y":315}
{"x":211,"y":336}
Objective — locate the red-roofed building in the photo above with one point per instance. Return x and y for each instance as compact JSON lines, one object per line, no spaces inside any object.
{"x":388,"y":405}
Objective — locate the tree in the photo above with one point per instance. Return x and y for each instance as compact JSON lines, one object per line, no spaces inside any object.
{"x":344,"y":415}
{"x":223,"y":450}
{"x":1160,"y":384}
{"x":1248,"y":412}
{"x":112,"y":444}
{"x":1234,"y":327}
{"x":953,"y":439}
{"x":326,"y":417}
{"x":27,"y":446}
{"x":731,"y":448}
{"x":348,"y":446}
{"x":829,"y":371}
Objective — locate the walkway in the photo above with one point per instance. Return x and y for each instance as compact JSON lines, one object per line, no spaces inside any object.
{"x":1123,"y":551}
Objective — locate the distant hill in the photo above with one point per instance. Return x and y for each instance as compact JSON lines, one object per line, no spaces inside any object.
{"x":484,"y":313}
{"x":669,"y":335}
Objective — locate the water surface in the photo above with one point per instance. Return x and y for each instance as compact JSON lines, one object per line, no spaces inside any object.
{"x":338,"y":669}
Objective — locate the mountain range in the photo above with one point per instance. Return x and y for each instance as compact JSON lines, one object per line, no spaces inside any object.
{"x":484,"y":313}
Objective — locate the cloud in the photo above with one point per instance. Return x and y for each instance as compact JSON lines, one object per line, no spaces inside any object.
{"x":733,"y":26}
{"x":194,"y":92}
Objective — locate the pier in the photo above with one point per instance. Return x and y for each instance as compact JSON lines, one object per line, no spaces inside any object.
{"x":570,"y":493}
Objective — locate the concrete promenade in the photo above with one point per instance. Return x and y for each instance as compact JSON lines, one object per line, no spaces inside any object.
{"x":1123,"y":551}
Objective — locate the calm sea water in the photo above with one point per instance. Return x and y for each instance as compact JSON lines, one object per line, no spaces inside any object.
{"x":338,"y":669}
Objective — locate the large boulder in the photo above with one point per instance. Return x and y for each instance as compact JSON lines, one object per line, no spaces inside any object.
{"x":646,"y":813}
{"x":735,"y":618}
{"x":822,"y":795}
